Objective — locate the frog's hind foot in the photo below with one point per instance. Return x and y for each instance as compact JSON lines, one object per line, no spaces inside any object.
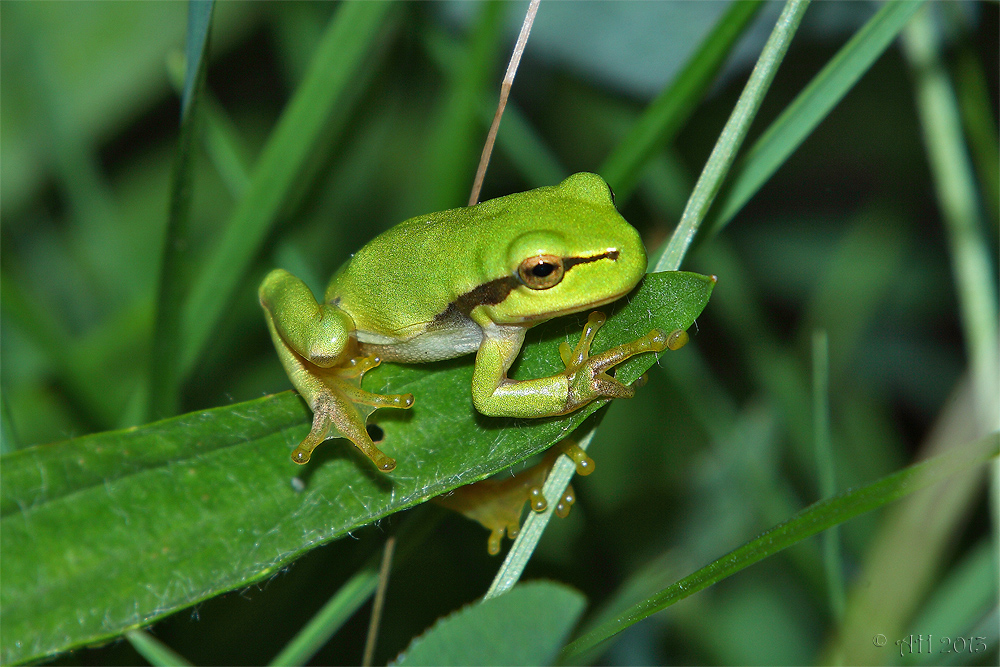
{"x":342,"y":407}
{"x":497,"y":503}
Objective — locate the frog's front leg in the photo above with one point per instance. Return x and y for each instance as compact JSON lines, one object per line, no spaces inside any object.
{"x":584,"y":380}
{"x":318,"y":349}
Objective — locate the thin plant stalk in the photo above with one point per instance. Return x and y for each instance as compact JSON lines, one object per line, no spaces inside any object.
{"x":508,"y":81}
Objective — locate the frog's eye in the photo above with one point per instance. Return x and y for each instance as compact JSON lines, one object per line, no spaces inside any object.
{"x":541,"y":271}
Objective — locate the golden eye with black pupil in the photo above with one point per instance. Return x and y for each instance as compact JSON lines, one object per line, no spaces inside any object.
{"x":541,"y":271}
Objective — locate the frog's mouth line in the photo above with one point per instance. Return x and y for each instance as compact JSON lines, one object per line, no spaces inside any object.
{"x":588,"y":306}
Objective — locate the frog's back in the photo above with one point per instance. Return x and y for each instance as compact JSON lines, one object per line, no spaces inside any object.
{"x":402,"y":283}
{"x":410,"y":273}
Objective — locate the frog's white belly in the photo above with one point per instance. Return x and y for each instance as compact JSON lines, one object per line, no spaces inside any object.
{"x":461,"y":336}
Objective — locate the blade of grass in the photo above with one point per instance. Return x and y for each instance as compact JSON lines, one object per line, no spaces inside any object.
{"x":531,"y":532}
{"x":163,"y":394}
{"x":153,"y":650}
{"x":354,"y":593}
{"x":371,"y":640}
{"x":954,"y":184}
{"x":732,"y":136}
{"x":224,"y":146}
{"x":667,"y":114}
{"x":809,"y":108}
{"x":825,"y":468}
{"x":342,"y":53}
{"x":808,"y":522}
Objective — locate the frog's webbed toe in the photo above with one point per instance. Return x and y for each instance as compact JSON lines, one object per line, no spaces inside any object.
{"x":588,"y":375}
{"x":497,"y":503}
{"x":341,"y":407}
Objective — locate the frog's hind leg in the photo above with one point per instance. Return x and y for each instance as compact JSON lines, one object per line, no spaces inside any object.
{"x":496,"y":504}
{"x":318,"y":348}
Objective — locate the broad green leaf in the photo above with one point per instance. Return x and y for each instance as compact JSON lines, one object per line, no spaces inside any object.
{"x":525,"y":626}
{"x":109,"y":532}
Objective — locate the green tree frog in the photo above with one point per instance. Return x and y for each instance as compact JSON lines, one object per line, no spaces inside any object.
{"x":463,"y":281}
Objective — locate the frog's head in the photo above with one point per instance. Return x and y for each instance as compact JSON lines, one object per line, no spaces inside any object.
{"x":569,"y":250}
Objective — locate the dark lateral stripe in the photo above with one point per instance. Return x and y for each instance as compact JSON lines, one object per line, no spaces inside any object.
{"x":495,"y":291}
{"x":570,"y":262}
{"x":490,"y":293}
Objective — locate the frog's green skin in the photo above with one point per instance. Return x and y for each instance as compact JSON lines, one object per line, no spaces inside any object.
{"x":456,"y":282}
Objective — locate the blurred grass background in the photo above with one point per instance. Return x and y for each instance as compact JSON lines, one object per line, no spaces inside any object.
{"x":847,"y":239}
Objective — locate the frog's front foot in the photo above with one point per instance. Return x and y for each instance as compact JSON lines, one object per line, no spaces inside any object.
{"x":341,"y":404}
{"x":588,"y":375}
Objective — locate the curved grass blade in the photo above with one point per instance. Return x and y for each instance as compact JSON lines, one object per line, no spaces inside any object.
{"x":729,"y":142}
{"x":666,"y":115}
{"x":708,"y":184}
{"x":826,"y":467}
{"x":808,"y":522}
{"x":955,"y":187}
{"x":811,"y":106}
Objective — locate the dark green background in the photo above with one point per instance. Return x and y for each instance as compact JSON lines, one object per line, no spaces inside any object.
{"x":847,"y":236}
